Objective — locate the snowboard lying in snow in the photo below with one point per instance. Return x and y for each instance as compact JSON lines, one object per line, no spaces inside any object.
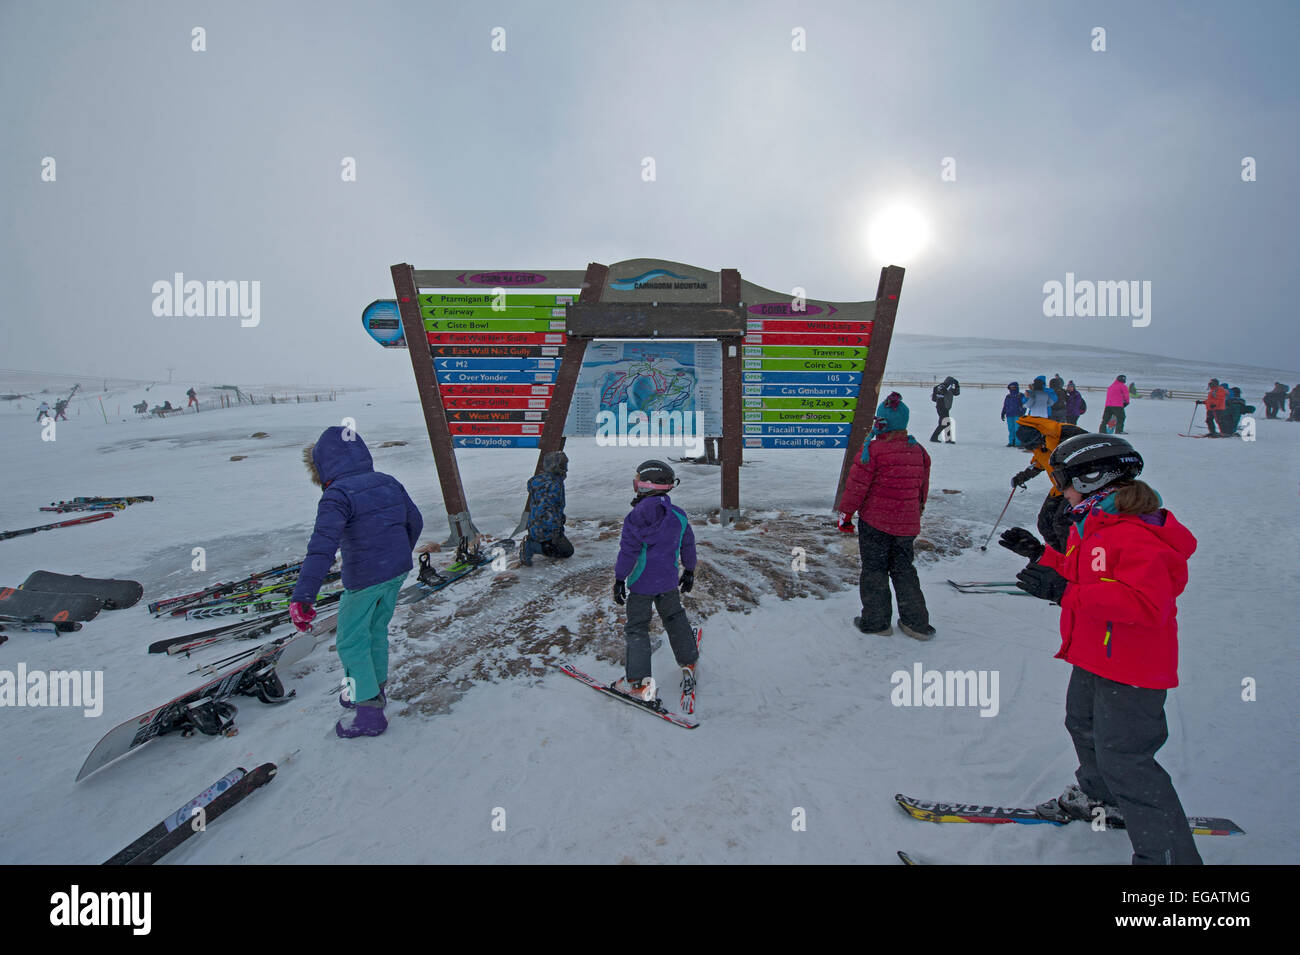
{"x":115,"y":594}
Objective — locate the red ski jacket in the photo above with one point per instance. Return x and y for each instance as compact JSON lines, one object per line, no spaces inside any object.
{"x":889,"y":484}
{"x":1217,"y":399}
{"x":1119,"y":613}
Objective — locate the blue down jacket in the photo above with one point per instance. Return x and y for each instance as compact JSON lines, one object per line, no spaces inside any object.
{"x":545,"y":507}
{"x":366,"y":513}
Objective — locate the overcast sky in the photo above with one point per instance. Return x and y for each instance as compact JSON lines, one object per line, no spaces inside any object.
{"x":225,"y":164}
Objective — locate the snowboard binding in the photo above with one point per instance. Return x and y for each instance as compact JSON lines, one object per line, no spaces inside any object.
{"x":209,"y":717}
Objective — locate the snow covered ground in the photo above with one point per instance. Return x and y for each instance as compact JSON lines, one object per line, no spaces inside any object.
{"x":795,"y":704}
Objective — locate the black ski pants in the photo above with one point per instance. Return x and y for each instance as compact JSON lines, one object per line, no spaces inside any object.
{"x":1116,"y":729}
{"x":887,"y":558}
{"x":1116,"y":412}
{"x":637,"y":631}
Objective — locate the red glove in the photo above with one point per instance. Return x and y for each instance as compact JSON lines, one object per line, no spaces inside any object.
{"x":302,"y":615}
{"x":846,"y":523}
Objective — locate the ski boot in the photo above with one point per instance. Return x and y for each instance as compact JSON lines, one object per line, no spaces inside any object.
{"x":1074,"y":803}
{"x":688,"y":688}
{"x":367,"y":720}
{"x":348,"y":704}
{"x":922,"y":632}
{"x":643,"y":691}
{"x":888,"y":631}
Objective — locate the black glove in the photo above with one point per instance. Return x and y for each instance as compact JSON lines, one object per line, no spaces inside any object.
{"x":1020,"y":479}
{"x":1041,"y":582}
{"x":687,"y":581}
{"x":1020,"y":541}
{"x":620,"y":592}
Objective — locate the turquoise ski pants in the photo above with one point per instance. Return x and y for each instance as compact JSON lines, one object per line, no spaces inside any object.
{"x":362,"y":637}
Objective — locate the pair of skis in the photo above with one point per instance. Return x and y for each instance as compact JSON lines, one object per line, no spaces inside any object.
{"x":655,"y":707}
{"x":207,"y":806}
{"x":95,"y":503}
{"x":216,"y":590}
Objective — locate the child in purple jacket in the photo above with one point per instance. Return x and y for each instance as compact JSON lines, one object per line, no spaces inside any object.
{"x":655,"y":536}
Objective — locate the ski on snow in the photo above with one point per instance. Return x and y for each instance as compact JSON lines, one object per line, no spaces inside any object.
{"x":656,"y":708}
{"x":97,"y":516}
{"x":213,"y":802}
{"x":966,"y":812}
{"x":988,"y":587}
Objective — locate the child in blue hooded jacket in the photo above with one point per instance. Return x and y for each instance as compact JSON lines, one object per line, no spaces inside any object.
{"x":372,"y":518}
{"x":1013,"y":406}
{"x":655,"y":536}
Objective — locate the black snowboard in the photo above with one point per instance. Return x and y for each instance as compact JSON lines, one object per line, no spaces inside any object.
{"x":116,"y":594}
{"x":32,"y":605}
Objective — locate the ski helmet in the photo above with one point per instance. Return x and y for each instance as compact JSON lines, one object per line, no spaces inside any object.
{"x":654,"y":477}
{"x":1090,"y":462}
{"x":555,"y":462}
{"x":1029,"y":437}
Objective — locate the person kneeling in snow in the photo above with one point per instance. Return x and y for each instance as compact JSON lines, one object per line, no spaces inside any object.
{"x":372,"y":518}
{"x":889,"y":485}
{"x":545,"y":533}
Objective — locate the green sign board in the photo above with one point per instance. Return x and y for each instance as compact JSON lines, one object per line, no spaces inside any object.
{"x":487,"y":299}
{"x":804,"y":351}
{"x":821,"y":416}
{"x":812,"y":404}
{"x":461,"y":311}
{"x":801,"y":364}
{"x":492,"y":325}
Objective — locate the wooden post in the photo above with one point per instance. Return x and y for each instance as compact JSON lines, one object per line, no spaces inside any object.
{"x":882,"y":330}
{"x":566,"y":380}
{"x":733,"y":438}
{"x":435,"y":416}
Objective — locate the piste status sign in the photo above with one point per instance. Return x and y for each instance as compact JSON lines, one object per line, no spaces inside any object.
{"x":802,"y":365}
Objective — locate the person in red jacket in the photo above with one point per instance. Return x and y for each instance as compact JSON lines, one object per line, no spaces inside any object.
{"x":1215,"y":401}
{"x":887,"y":487}
{"x":1117,"y":584}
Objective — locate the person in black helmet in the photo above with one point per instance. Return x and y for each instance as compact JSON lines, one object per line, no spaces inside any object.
{"x":1117,"y":584}
{"x":656,"y":537}
{"x":545,"y":534}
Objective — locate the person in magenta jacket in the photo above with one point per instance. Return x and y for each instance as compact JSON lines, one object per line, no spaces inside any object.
{"x":1117,"y":397}
{"x":887,"y":487}
{"x":1117,"y":583}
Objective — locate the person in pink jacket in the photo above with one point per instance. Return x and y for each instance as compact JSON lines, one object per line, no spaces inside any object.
{"x":887,"y":487}
{"x":1116,"y":401}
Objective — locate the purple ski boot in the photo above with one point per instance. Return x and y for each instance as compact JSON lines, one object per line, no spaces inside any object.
{"x":366,"y":720}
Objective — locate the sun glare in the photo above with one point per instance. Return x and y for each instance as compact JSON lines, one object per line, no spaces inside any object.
{"x":897,"y":235}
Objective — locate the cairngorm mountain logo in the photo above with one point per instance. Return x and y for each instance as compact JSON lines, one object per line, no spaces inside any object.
{"x":650,"y":280}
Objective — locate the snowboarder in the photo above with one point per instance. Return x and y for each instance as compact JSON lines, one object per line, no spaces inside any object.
{"x":372,"y":518}
{"x":1057,"y":383}
{"x":1042,"y":436}
{"x":1294,"y":398}
{"x":194,"y":399}
{"x":42,"y":411}
{"x":61,"y":410}
{"x":141,"y":408}
{"x":942,"y":396}
{"x":545,"y":533}
{"x":1117,"y":585}
{"x":1075,"y":406}
{"x":1117,"y":396}
{"x":1013,"y":406}
{"x":1214,"y":402}
{"x":1275,"y":400}
{"x":1040,"y":398}
{"x":887,"y":487}
{"x":655,"y":536}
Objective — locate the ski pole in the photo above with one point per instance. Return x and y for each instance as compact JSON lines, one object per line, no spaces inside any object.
{"x":1194,"y":407}
{"x":985,"y":545}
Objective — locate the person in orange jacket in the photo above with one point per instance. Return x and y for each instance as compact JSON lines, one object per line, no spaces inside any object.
{"x":1117,"y":583}
{"x":1215,"y":401}
{"x":1041,"y":436}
